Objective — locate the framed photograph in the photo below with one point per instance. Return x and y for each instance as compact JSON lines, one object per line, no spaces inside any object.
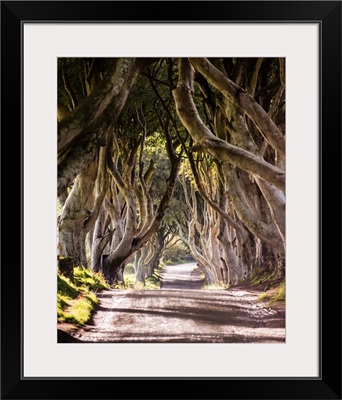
{"x":282,"y":46}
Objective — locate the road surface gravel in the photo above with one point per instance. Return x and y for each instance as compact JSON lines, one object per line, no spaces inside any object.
{"x":182,"y":312}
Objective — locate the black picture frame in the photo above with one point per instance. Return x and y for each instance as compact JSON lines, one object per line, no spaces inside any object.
{"x":328,"y":384}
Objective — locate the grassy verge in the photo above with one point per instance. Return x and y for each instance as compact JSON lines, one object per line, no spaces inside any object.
{"x":216,"y":286}
{"x":151,"y":283}
{"x":258,"y":277}
{"x":76,"y":299}
{"x":274,"y":296}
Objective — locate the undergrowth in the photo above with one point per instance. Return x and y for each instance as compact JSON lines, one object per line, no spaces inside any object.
{"x":274,"y":295}
{"x":258,"y":277}
{"x":216,"y":286}
{"x":76,"y":299}
{"x":151,"y":283}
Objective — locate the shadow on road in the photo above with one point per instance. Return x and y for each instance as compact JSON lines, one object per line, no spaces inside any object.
{"x":180,"y":313}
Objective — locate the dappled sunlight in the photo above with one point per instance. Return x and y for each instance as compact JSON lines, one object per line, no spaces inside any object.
{"x":183,"y":313}
{"x":182,"y":316}
{"x":171,"y":185}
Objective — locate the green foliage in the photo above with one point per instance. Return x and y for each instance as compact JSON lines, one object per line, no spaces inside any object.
{"x":216,"y":286}
{"x":85,"y":277}
{"x":152,"y":283}
{"x":155,"y":150}
{"x":264,"y":296}
{"x":75,"y":75}
{"x":279,"y":295}
{"x":65,"y":286}
{"x":150,"y":110}
{"x":62,"y":302}
{"x":139,"y":286}
{"x":77,"y":311}
{"x":129,"y":278}
{"x":157,"y":272}
{"x":129,"y":269}
{"x":274,"y":295}
{"x":76,"y":300}
{"x":177,"y":254}
{"x":258,"y":277}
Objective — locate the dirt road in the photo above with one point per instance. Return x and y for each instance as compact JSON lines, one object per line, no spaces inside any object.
{"x":181,"y":313}
{"x":182,"y":276}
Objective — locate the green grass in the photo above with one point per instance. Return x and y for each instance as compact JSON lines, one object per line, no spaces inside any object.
{"x":176,"y":261}
{"x":76,"y":311}
{"x":274,"y":295}
{"x":151,"y":283}
{"x":264,"y":296}
{"x":279,"y":295}
{"x":129,"y":269}
{"x":76,"y":300}
{"x":258,"y":277}
{"x":215,"y":286}
{"x":66,"y":287}
{"x":85,"y":277}
{"x":129,"y":280}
